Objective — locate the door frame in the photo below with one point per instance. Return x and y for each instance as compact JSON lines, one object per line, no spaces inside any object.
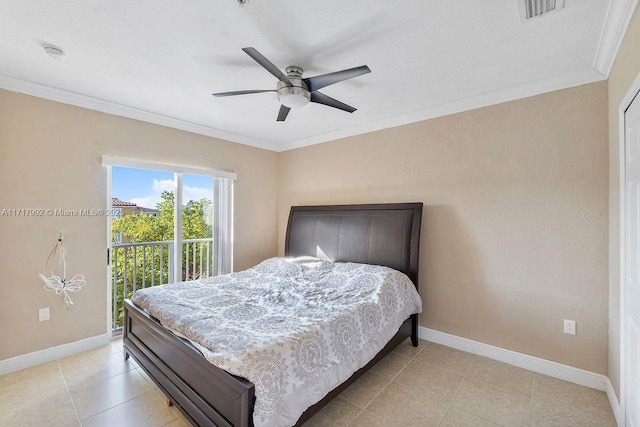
{"x":629,"y":97}
{"x":108,"y":254}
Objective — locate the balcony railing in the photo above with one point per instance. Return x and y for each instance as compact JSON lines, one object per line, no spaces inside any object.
{"x":141,"y":265}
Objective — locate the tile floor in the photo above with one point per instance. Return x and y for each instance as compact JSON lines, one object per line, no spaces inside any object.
{"x":431,"y":385}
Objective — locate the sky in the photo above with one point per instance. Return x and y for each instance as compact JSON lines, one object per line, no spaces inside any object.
{"x":143,"y":187}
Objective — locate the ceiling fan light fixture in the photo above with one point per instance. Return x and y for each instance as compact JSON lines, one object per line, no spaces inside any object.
{"x":293,"y":97}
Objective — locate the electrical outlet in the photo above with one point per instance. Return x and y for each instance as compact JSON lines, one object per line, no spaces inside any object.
{"x":44,"y":314}
{"x":569,"y":327}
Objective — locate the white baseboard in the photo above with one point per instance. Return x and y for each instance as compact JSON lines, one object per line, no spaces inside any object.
{"x":53,"y":353}
{"x":525,"y":361}
{"x":613,"y":401}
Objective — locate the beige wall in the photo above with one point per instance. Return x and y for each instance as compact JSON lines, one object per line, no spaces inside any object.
{"x":625,"y":69}
{"x":515,"y":225}
{"x":514,"y":230}
{"x":50,"y":157}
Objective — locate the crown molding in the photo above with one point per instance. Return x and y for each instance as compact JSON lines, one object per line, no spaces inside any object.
{"x":512,"y":93}
{"x":615,"y":26}
{"x":499,"y":96}
{"x":79,"y":100}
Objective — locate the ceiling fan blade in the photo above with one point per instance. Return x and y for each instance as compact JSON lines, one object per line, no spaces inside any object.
{"x":282,"y":114}
{"x":267,"y":65}
{"x":321,"y":98}
{"x":318,"y":82}
{"x":240,"y":92}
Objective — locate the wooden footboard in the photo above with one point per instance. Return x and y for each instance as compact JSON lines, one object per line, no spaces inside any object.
{"x":205,"y":394}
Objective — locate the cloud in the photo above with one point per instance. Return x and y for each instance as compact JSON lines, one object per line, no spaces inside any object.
{"x":196,"y":193}
{"x":160,"y":185}
{"x":147,"y":202}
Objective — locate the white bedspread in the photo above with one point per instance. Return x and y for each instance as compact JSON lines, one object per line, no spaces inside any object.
{"x":295,"y":327}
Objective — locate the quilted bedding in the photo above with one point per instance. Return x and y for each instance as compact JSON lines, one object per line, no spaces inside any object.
{"x":295,"y":327}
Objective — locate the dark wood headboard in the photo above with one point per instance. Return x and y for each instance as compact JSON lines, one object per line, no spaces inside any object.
{"x":382,"y":234}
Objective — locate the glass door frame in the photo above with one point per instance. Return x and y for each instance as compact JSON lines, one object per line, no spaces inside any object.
{"x":108,"y":162}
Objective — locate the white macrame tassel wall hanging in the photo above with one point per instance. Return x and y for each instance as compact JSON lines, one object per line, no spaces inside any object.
{"x":53,"y":282}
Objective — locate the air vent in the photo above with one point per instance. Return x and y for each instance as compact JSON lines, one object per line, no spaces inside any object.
{"x":530,"y":9}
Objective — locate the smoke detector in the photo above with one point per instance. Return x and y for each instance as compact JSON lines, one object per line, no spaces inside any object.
{"x":530,"y":9}
{"x":54,"y":52}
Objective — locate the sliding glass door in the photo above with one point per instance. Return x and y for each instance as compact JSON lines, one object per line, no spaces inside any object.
{"x":166,"y":226}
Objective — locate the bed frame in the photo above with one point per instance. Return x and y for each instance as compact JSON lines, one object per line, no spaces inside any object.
{"x":381,"y":234}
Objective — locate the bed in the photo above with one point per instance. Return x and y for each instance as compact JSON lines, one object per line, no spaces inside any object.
{"x":383,"y":234}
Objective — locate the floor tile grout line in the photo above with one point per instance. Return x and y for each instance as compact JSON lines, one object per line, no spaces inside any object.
{"x":122,"y":403}
{"x":383,"y":388}
{"x":476,"y":356}
{"x":478,"y":416}
{"x":73,"y":404}
{"x":458,"y":388}
{"x":576,"y":414}
{"x":426,"y":343}
{"x":128,"y":400}
{"x":566,"y":409}
{"x":171,"y":422}
{"x":466,"y":376}
{"x":16,"y":382}
{"x":84,"y":362}
{"x":533,"y":385}
{"x":495,"y":388}
{"x":499,"y":389}
{"x":357,"y":415}
{"x":100,"y":380}
{"x":373,"y":399}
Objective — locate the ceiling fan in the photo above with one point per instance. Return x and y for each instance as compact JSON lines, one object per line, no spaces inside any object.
{"x":295,"y":91}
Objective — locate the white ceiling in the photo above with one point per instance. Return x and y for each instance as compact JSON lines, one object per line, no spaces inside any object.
{"x":160,"y":60}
